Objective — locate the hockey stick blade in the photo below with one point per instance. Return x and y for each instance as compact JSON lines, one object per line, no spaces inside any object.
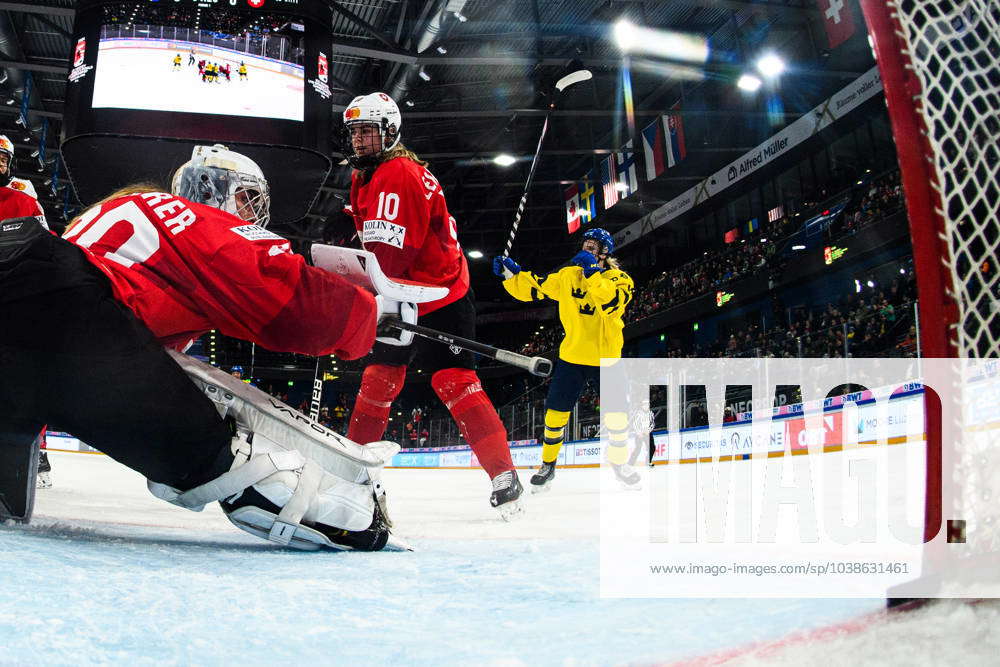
{"x":539,"y":366}
{"x":573,"y":77}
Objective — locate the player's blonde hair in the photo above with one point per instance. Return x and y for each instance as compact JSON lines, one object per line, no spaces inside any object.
{"x":613,"y":263}
{"x":399,"y":150}
{"x":135,"y":188}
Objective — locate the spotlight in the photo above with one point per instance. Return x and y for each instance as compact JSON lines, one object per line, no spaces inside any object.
{"x":504,"y":160}
{"x":621,"y":187}
{"x":798,"y":247}
{"x":424,"y":75}
{"x":749,"y":83}
{"x":770,"y":65}
{"x":461,"y":17}
{"x":625,"y":34}
{"x":678,"y":46}
{"x":475,"y":254}
{"x":440,"y":50}
{"x":409,"y":103}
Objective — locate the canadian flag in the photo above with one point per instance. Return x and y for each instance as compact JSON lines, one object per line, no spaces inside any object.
{"x":838,"y":19}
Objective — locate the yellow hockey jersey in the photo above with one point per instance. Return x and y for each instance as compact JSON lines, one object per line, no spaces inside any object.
{"x":590,"y":309}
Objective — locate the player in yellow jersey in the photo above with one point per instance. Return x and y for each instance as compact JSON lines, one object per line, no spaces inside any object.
{"x":243,"y":71}
{"x":177,"y":62}
{"x":592,"y":293}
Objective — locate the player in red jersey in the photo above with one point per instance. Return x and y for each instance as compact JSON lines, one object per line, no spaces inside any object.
{"x":143,"y":269}
{"x":17,"y":200}
{"x":401,"y":216}
{"x":17,"y":196}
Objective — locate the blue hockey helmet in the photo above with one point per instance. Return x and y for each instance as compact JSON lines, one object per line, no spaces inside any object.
{"x":603,"y":237}
{"x":236,"y":369}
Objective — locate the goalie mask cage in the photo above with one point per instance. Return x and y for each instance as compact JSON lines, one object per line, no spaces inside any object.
{"x":940,"y":66}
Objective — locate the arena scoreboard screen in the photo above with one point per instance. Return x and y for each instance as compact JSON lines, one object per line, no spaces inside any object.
{"x":149,"y":79}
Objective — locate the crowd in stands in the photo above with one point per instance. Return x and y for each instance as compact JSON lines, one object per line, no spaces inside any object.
{"x":877,"y":321}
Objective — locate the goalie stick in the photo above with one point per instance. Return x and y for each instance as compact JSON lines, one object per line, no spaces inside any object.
{"x":539,"y":366}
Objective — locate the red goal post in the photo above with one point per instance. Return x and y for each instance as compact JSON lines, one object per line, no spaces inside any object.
{"x":940,"y":66}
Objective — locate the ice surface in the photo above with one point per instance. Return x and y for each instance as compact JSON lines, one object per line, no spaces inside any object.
{"x":108,"y":574}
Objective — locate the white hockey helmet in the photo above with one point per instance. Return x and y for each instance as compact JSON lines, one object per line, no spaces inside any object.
{"x":7,"y":147}
{"x":380,"y":111}
{"x":227,"y":180}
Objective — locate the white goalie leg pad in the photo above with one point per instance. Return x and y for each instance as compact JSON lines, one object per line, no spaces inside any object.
{"x":261,"y":414}
{"x":297,"y":485}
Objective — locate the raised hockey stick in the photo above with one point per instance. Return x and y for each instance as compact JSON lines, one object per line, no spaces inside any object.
{"x":539,"y":366}
{"x":561,"y":85}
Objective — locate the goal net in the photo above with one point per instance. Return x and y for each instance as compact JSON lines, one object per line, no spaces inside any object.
{"x":940,"y":67}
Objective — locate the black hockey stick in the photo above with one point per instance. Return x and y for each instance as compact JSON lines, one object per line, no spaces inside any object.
{"x":539,"y":366}
{"x":561,"y":85}
{"x":317,"y":394}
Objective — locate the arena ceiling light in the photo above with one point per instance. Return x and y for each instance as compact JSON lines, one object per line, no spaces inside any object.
{"x":679,"y":46}
{"x":475,"y":254}
{"x":749,"y":83}
{"x":770,"y":65}
{"x":504,"y":160}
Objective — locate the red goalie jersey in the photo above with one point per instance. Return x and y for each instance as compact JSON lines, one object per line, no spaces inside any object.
{"x":402,"y":218}
{"x":184,"y":268}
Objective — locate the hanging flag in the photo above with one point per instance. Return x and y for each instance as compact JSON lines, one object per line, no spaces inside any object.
{"x":625,"y":172}
{"x":41,"y":141}
{"x":776,"y":213}
{"x":588,"y":197}
{"x":676,"y":150}
{"x":55,"y":177}
{"x":838,"y":19}
{"x":752,"y":226}
{"x":571,"y":196}
{"x":608,"y":181}
{"x":654,"y":147}
{"x":732,"y":235}
{"x":22,"y":119}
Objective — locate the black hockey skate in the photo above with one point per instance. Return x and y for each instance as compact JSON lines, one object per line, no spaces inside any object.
{"x":541,"y":481}
{"x":506,"y":496}
{"x":373,"y":538}
{"x":627,"y":476}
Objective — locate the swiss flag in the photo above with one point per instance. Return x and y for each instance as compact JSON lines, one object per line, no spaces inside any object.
{"x":838,"y":19}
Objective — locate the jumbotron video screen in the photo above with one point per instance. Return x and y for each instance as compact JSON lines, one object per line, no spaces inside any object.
{"x":169,"y":68}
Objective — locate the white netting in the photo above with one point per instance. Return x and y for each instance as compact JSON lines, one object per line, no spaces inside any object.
{"x":954,"y":48}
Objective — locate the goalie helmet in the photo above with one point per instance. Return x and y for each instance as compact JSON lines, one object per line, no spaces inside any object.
{"x":378,"y":111}
{"x":227,"y":180}
{"x":7,"y":148}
